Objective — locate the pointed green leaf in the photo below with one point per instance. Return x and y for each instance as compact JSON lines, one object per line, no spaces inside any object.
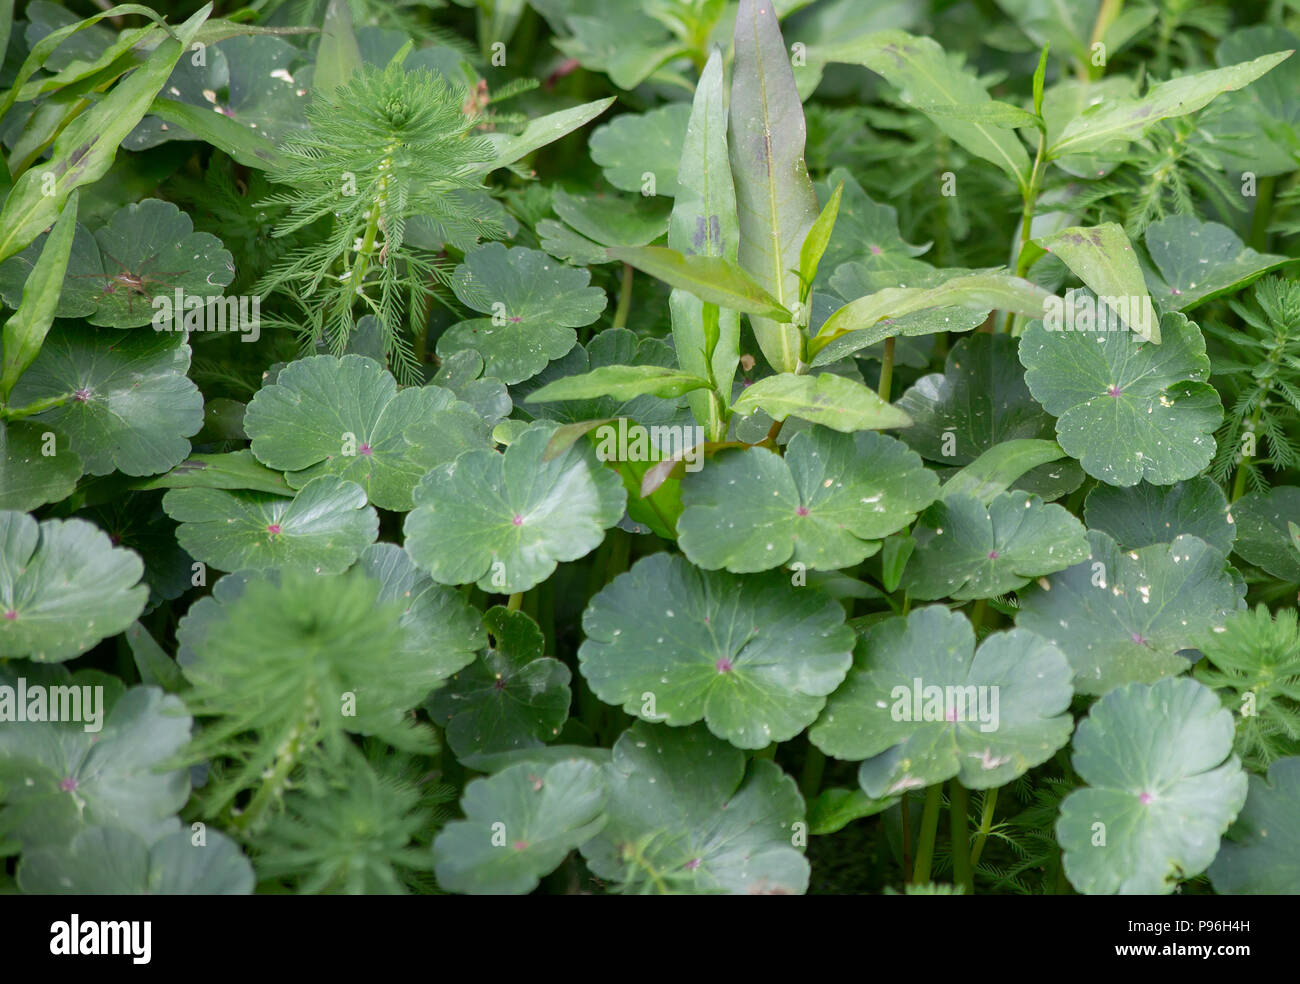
{"x":712,"y":279}
{"x":1202,"y":260}
{"x":998,"y":468}
{"x":543,"y":130}
{"x":774,"y":196}
{"x":832,"y":401}
{"x":233,"y":470}
{"x":620,"y":383}
{"x":337,"y":56}
{"x":1104,"y":260}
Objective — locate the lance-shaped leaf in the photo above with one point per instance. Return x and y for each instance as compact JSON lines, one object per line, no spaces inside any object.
{"x":37,"y":465}
{"x":519,"y":825}
{"x":620,"y":383}
{"x":1255,"y":129}
{"x":966,"y":549}
{"x":704,"y":222}
{"x":922,"y":704}
{"x":129,"y":404}
{"x":712,"y":279}
{"x":980,"y":402}
{"x":833,"y":401}
{"x":1103,"y":258}
{"x":1112,"y":124}
{"x":863,"y":317}
{"x":539,"y":132}
{"x":63,"y":587}
{"x":505,"y":521}
{"x":687,"y":816}
{"x":926,"y":75}
{"x":1162,"y":784}
{"x":232,"y":470}
{"x":84,"y":150}
{"x":634,"y":145}
{"x":60,"y":778}
{"x":323,"y":528}
{"x":1123,"y":617}
{"x":775,"y":200}
{"x":753,"y":658}
{"x":128,"y":273}
{"x":1264,"y":536}
{"x":1261,"y":853}
{"x":110,"y":861}
{"x":345,"y":417}
{"x":993,"y":472}
{"x":1127,"y":409}
{"x":511,"y":697}
{"x":826,"y":504}
{"x":1146,"y":514}
{"x":612,"y":348}
{"x":534,"y":301}
{"x":443,"y":631}
{"x":39,"y":300}
{"x":1200,"y":260}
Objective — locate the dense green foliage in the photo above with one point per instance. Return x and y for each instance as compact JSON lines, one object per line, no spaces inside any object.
{"x":673,"y":446}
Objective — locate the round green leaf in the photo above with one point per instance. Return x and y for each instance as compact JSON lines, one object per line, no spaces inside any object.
{"x":826,"y":504}
{"x":922,"y":704}
{"x":1263,"y":530}
{"x":1160,"y":793}
{"x":108,"y":861}
{"x":534,"y":301}
{"x":506,"y":520}
{"x":147,"y":250}
{"x":1145,"y":514}
{"x":323,"y":529}
{"x":37,"y":465}
{"x":1123,"y":617}
{"x":967,"y":550}
{"x":519,"y":825}
{"x":345,"y":417}
{"x":511,"y":697}
{"x":636,"y":144}
{"x":1261,"y":855}
{"x":1200,"y":260}
{"x":131,"y":406}
{"x":754,"y":658}
{"x":687,"y":817}
{"x":1127,"y":409}
{"x":63,"y":587}
{"x":61,"y":778}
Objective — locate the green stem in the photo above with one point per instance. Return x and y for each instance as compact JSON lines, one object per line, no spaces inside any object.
{"x":929,"y":827}
{"x":273,"y":783}
{"x":49,"y":403}
{"x":978,"y":612}
{"x":1263,"y":213}
{"x":814,"y":766}
{"x":905,"y":815}
{"x":1110,"y":9}
{"x":887,"y":369}
{"x":515,"y":601}
{"x":1239,"y":482}
{"x":958,"y":802}
{"x":624,"y":297}
{"x":619,"y":554}
{"x":986,"y":824}
{"x":1027,"y":215}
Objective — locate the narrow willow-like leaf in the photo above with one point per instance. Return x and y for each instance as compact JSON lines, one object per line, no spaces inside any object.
{"x":338,"y":55}
{"x":85,"y":150}
{"x":1122,"y":120}
{"x":541,"y":131}
{"x":706,"y":334}
{"x":1103,"y":259}
{"x":774,"y":195}
{"x":25,"y":330}
{"x":713,"y":279}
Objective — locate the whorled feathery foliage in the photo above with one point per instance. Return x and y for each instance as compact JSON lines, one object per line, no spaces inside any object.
{"x":1254,"y":664}
{"x":385,"y":147}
